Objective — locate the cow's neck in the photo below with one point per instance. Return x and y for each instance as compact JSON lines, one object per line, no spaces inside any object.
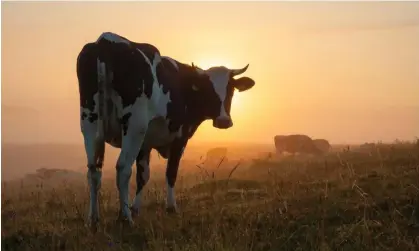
{"x":194,"y":115}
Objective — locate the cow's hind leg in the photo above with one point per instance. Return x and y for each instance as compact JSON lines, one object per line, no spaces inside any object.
{"x":143,"y":175}
{"x":95,"y":150}
{"x":135,"y":126}
{"x":175,"y":155}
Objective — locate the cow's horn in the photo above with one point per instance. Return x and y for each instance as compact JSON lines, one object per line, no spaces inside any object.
{"x":239,"y":71}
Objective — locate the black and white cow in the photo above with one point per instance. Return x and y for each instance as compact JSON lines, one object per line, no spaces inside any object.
{"x":134,"y":99}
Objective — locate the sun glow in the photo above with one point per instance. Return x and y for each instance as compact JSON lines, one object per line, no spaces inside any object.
{"x":236,"y":101}
{"x":208,"y":63}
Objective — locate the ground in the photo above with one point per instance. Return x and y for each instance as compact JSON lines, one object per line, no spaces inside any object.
{"x":344,"y":201}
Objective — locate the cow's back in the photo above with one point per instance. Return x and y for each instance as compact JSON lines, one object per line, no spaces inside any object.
{"x":131,"y":73}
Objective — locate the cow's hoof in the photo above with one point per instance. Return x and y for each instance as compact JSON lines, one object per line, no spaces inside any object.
{"x":171,"y":210}
{"x":93,"y":225}
{"x":125,"y":221}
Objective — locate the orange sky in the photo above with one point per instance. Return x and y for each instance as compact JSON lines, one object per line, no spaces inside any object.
{"x":347,"y":72}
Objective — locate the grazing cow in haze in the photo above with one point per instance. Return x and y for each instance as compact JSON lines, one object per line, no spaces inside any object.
{"x":296,"y":143}
{"x":216,"y":153}
{"x":322,"y":144}
{"x":367,"y":147}
{"x":134,"y":99}
{"x":215,"y":157}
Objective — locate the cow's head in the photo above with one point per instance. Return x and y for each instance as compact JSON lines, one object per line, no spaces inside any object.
{"x":215,"y":88}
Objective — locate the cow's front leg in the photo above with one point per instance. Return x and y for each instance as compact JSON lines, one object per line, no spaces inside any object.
{"x":95,"y":151}
{"x":175,"y":154}
{"x":134,"y":130}
{"x":143,"y":175}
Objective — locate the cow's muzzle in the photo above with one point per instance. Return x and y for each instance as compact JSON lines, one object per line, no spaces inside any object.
{"x":223,"y":122}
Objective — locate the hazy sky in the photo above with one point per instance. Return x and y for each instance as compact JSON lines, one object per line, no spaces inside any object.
{"x":347,"y":72}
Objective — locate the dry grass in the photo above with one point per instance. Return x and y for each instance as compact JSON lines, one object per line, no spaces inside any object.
{"x":347,"y":201}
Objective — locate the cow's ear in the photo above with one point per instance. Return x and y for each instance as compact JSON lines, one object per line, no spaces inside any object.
{"x":243,"y":84}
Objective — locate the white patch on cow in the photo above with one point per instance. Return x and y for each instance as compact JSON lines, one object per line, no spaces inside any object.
{"x":101,"y":71}
{"x":220,"y":77}
{"x":171,"y":60}
{"x":171,"y":198}
{"x":112,"y":37}
{"x":158,"y":133}
{"x":159,"y":98}
{"x":163,"y":100}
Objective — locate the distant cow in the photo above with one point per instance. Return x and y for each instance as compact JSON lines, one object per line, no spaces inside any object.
{"x":296,"y":143}
{"x":134,"y":99}
{"x":322,"y":144}
{"x":216,"y":153}
{"x":367,"y":147}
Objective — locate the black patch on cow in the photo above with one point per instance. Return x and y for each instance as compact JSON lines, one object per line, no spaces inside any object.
{"x":169,"y":79}
{"x":93,"y":117}
{"x":167,"y":75}
{"x":83,"y":115}
{"x":163,"y":150}
{"x":148,"y":49}
{"x":144,"y":154}
{"x":124,"y":122}
{"x":132,"y":75}
{"x":173,"y":161}
{"x":87,"y":75}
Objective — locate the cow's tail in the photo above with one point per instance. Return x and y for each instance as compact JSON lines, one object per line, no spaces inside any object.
{"x":101,"y":126}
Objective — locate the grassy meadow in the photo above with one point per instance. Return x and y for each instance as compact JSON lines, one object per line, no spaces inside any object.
{"x":348,"y":200}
